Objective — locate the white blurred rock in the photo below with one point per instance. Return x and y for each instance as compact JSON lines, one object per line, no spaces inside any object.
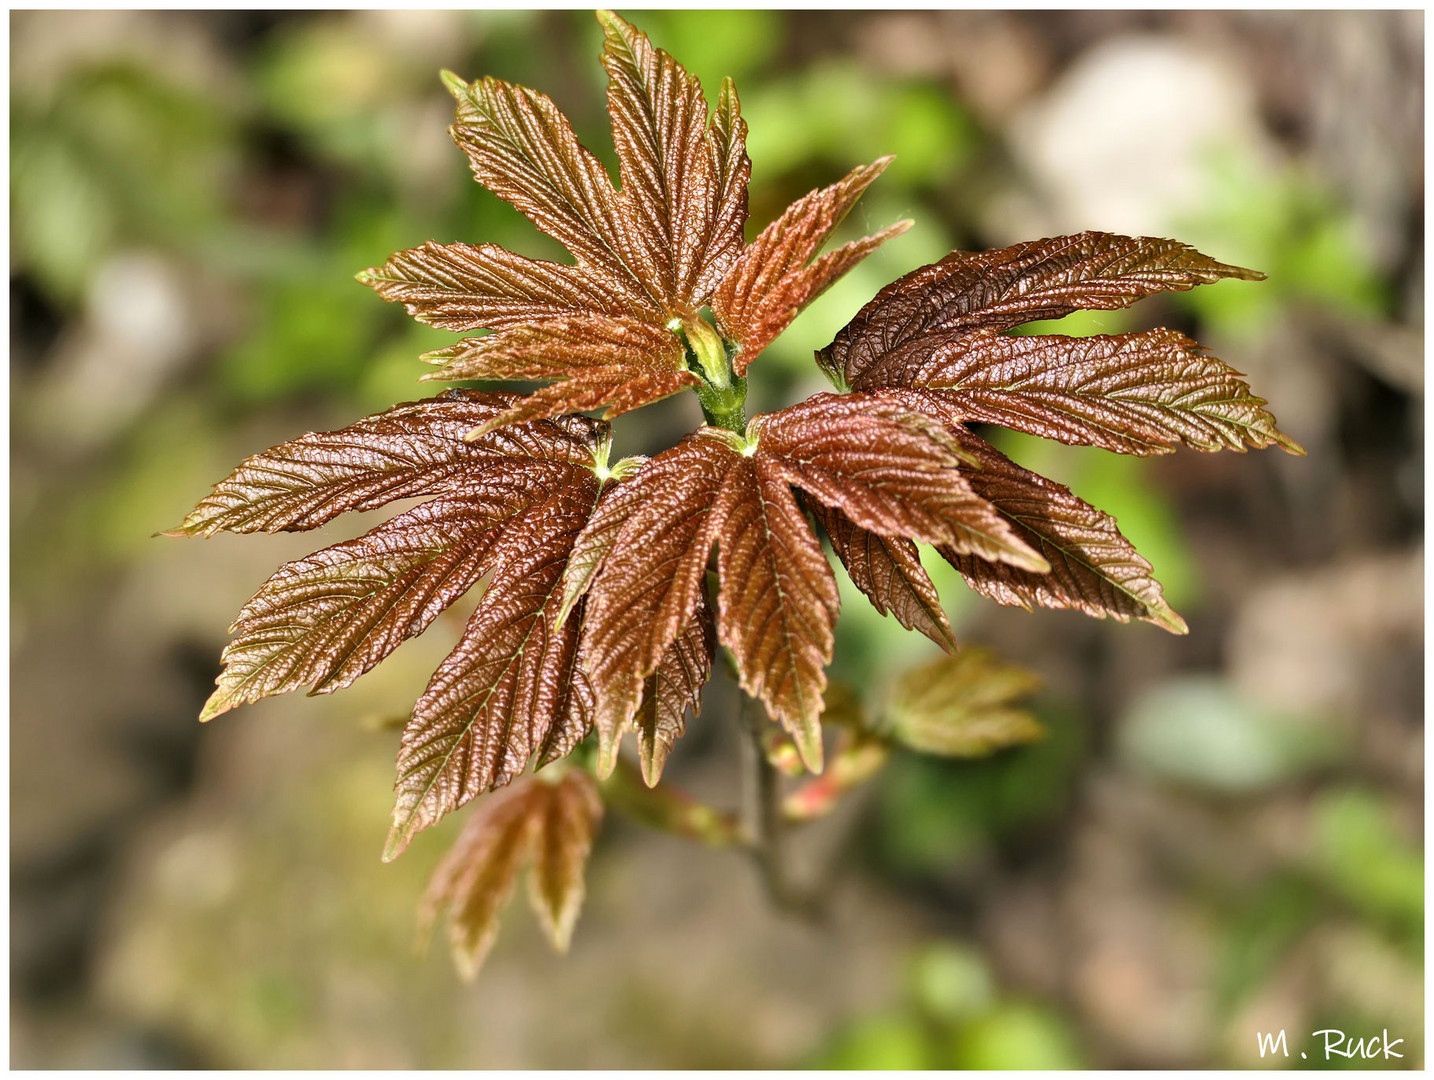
{"x":139,"y":327}
{"x":436,"y":37}
{"x":49,"y":47}
{"x":1120,"y":143}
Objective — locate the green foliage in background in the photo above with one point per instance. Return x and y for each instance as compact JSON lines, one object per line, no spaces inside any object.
{"x":133,"y":159}
{"x":951,"y":1016}
{"x":1282,"y":221}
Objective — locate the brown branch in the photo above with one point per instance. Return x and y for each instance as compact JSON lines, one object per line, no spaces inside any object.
{"x":766,"y":822}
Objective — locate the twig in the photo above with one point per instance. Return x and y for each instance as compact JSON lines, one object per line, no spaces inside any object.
{"x":765,"y":820}
{"x":670,"y":809}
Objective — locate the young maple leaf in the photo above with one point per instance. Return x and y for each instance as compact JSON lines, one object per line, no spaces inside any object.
{"x":507,"y":506}
{"x":936,"y":340}
{"x":962,"y":706}
{"x":546,"y":822}
{"x":887,"y":468}
{"x":621,"y":326}
{"x":604,"y":601}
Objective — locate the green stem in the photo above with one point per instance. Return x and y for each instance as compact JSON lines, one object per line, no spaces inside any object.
{"x":725,"y":407}
{"x":722,"y":392}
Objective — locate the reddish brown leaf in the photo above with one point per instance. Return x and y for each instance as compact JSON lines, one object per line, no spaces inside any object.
{"x":475,"y":880}
{"x":777,"y":601}
{"x":888,"y":570}
{"x":774,"y":277}
{"x":561,"y":348}
{"x":616,"y":390}
{"x":1142,"y":393}
{"x":677,"y":173}
{"x":523,"y":149}
{"x":651,"y":581}
{"x":672,"y":689}
{"x":733,"y":169}
{"x":791,"y":295}
{"x":1094,"y":569}
{"x":472,"y":287}
{"x":889,"y":468}
{"x":996,"y":290}
{"x":549,"y":822}
{"x":603,"y":361}
{"x":414,"y":449}
{"x":328,"y":618}
{"x":571,"y":813}
{"x":510,"y":689}
{"x":592,"y":545}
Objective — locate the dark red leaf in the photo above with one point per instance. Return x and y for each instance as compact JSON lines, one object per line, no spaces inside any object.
{"x":602,"y":360}
{"x":1094,"y":569}
{"x":328,"y":618}
{"x":774,"y":277}
{"x":651,"y":580}
{"x":778,"y":599}
{"x":888,"y":570}
{"x":889,"y":468}
{"x":510,"y":689}
{"x":523,"y":149}
{"x":414,"y":449}
{"x":994,"y":290}
{"x":683,"y":180}
{"x":466,"y":287}
{"x":1142,"y":393}
{"x":673,"y":689}
{"x":592,"y":545}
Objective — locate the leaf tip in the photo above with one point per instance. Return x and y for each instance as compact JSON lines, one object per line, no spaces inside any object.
{"x":1167,"y":618}
{"x":612,"y":23}
{"x":478,"y":432}
{"x":456,"y":84}
{"x":397,"y":842}
{"x":653,"y":758}
{"x":609,"y":743}
{"x":467,"y":962}
{"x":945,"y":637}
{"x":570,"y":601}
{"x":1283,"y":441}
{"x":809,"y":746}
{"x":1026,"y":558}
{"x":219,"y":702}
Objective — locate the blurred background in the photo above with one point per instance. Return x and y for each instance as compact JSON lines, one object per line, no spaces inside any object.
{"x":1221,"y":833}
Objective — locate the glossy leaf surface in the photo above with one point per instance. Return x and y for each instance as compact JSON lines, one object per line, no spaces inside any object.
{"x":1094,"y":569}
{"x":1142,"y":393}
{"x":968,"y":292}
{"x":511,"y":689}
{"x":778,"y":274}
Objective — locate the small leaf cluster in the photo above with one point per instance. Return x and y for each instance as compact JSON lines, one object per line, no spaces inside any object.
{"x":610,"y":586}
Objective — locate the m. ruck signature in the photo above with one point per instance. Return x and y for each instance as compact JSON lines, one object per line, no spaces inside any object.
{"x":1335,"y":1044}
